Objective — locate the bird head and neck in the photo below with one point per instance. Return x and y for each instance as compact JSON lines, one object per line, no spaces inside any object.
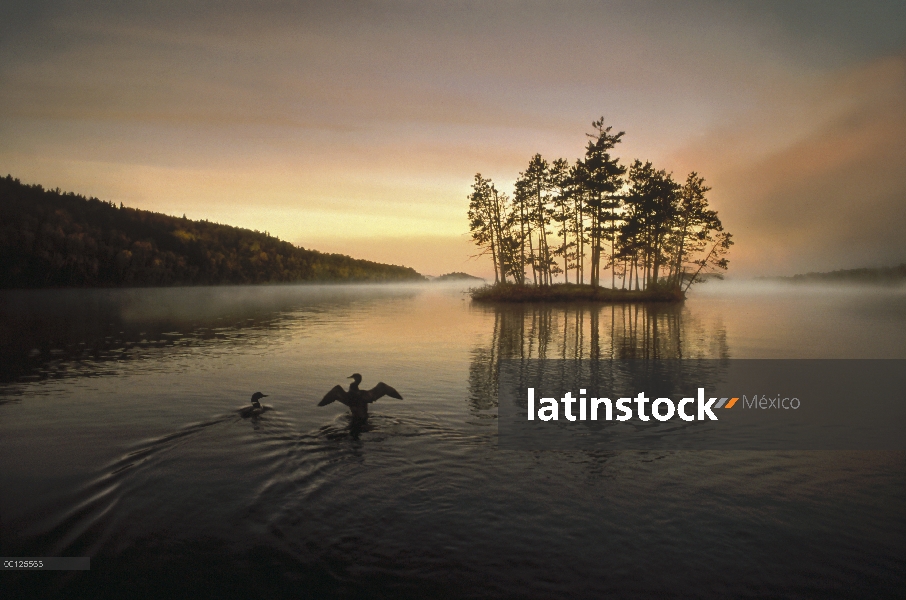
{"x":357,"y":379}
{"x":257,"y":396}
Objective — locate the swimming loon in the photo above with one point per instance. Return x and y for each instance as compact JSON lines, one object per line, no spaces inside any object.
{"x":255,"y":408}
{"x":358,"y":400}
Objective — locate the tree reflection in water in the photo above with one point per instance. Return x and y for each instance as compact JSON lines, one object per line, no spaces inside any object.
{"x":589,"y":332}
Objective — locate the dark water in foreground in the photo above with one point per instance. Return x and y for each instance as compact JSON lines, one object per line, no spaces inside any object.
{"x":119,"y":440}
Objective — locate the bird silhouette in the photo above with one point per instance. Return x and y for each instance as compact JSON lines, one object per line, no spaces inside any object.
{"x":358,"y":400}
{"x":255,"y":408}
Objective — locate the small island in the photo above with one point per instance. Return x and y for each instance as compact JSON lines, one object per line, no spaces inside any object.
{"x":457,"y":276}
{"x":571,"y":292}
{"x":863,"y":276}
{"x":567,"y":224}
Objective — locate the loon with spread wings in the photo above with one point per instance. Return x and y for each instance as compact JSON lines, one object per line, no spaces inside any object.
{"x":358,"y":400}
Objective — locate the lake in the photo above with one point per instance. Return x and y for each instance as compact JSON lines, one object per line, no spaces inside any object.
{"x":120,"y":440}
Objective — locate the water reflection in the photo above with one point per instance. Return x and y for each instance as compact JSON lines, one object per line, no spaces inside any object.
{"x":589,"y":332}
{"x":63,"y":333}
{"x":153,"y":474}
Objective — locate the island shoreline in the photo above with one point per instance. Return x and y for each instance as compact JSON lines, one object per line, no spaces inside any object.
{"x":571,"y":292}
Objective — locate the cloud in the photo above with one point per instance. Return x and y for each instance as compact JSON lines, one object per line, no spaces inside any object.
{"x":817,"y":183}
{"x":294,"y":116}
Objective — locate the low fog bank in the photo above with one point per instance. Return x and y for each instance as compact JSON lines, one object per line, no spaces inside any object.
{"x":195,"y":302}
{"x":52,"y":333}
{"x":790,"y":287}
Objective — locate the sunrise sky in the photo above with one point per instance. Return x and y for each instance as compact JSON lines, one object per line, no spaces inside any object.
{"x":358,"y":129}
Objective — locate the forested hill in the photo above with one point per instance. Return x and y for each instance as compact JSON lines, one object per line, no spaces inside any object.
{"x":876,"y":275}
{"x":50,"y":239}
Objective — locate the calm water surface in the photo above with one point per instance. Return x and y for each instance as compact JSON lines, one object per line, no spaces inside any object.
{"x":120,"y":440}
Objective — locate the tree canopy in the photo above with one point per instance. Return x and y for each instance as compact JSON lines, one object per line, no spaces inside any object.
{"x":49,"y":238}
{"x":637,"y":222}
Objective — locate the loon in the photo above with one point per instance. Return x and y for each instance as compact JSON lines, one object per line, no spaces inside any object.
{"x":255,"y":408}
{"x":358,"y":400}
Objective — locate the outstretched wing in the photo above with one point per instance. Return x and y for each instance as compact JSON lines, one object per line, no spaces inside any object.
{"x":337,"y":393}
{"x":380,"y":390}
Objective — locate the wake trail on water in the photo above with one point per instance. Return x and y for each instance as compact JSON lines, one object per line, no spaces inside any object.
{"x":81,"y":522}
{"x":261,"y":466}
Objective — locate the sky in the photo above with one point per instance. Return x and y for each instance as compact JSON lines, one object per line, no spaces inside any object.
{"x":358,"y":127}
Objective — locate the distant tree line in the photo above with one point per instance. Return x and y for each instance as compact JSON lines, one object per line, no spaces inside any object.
{"x":457,"y":276}
{"x":51,"y":238}
{"x":893,"y":275}
{"x":596,"y":215}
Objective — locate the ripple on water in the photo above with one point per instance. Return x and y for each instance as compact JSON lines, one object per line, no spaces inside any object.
{"x":420,"y":502}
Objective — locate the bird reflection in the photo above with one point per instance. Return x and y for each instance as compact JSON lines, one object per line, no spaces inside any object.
{"x":358,"y":400}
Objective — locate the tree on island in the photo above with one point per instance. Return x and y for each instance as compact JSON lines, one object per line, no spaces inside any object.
{"x":600,"y":175}
{"x":658,"y":233}
{"x":486,"y":222}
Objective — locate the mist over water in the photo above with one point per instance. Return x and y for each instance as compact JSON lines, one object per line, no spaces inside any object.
{"x":120,"y":440}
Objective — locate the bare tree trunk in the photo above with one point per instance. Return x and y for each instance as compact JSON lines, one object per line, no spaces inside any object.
{"x":522,"y":243}
{"x":657,"y":259}
{"x":613,"y":264}
{"x":595,"y":250}
{"x":679,"y":255}
{"x":563,"y":218}
{"x":635,"y":260}
{"x":542,"y":243}
{"x":580,"y":242}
